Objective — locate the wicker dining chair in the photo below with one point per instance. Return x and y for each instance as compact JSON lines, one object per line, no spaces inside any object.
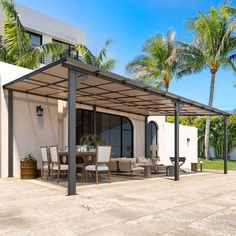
{"x":102,"y":165}
{"x":45,"y":161}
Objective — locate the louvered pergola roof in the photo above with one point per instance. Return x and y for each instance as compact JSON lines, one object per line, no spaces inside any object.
{"x":106,"y":90}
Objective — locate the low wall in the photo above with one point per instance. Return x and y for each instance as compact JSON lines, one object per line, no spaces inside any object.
{"x":187,"y":141}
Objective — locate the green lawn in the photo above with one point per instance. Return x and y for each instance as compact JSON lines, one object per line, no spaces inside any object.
{"x":216,"y":164}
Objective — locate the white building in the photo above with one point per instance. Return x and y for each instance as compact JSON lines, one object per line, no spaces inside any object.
{"x":125,"y":131}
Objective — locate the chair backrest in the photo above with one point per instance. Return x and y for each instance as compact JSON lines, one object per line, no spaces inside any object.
{"x":44,"y":153}
{"x":125,"y":165}
{"x":103,"y":154}
{"x":54,"y":153}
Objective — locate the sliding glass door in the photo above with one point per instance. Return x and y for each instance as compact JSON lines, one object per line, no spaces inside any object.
{"x":114,"y":130}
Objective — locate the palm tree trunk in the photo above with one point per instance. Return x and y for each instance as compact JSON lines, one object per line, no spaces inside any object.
{"x":208,"y":120}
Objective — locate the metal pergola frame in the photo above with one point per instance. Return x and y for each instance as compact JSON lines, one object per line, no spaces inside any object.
{"x":75,"y":82}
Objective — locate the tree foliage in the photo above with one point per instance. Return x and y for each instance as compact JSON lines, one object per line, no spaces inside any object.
{"x":157,"y":64}
{"x":99,"y":61}
{"x":216,"y":132}
{"x":213,"y":47}
{"x":16,"y":46}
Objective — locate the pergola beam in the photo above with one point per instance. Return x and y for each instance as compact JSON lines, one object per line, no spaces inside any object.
{"x":10,"y":133}
{"x":225,"y":143}
{"x":176,"y":139}
{"x":71,"y":132}
{"x":145,"y":136}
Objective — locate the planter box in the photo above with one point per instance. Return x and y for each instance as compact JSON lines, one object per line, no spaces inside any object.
{"x":193,"y":167}
{"x":28,"y":169}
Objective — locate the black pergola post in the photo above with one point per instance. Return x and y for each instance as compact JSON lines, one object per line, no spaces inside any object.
{"x":71,"y":132}
{"x":225,"y":143}
{"x":146,"y":134}
{"x":94,"y":120}
{"x":177,"y":111}
{"x":10,"y":133}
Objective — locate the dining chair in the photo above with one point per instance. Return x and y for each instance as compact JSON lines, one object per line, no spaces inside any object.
{"x":55,"y":161}
{"x":102,"y":165}
{"x":45,"y":161}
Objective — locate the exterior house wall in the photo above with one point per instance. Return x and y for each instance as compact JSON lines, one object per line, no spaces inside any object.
{"x":166,"y":141}
{"x":41,"y":23}
{"x":47,"y":26}
{"x":30,"y":131}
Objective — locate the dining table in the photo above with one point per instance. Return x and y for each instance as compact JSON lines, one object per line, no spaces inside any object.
{"x":87,"y":156}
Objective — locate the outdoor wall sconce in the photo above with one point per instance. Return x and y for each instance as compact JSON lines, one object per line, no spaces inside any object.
{"x":188,"y":140}
{"x":39,"y":110}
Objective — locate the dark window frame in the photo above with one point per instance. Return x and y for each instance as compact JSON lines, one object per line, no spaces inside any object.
{"x":35,"y":34}
{"x":156,"y":133}
{"x":71,"y":46}
{"x":121,"y":128}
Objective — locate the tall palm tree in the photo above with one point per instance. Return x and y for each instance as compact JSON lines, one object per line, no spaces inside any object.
{"x":16,"y":46}
{"x":213,"y":47}
{"x":100,"y":61}
{"x":157,"y":65}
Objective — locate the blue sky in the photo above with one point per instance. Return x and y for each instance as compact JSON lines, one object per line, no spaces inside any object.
{"x":129,"y":23}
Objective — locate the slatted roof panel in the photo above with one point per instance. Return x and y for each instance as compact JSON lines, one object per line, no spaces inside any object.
{"x":105,"y":89}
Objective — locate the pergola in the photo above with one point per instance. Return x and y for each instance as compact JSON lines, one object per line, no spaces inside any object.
{"x":76,"y":82}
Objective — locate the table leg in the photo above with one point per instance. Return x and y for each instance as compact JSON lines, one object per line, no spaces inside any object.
{"x":147,"y":172}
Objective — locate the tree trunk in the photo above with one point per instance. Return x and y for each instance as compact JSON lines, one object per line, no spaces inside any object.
{"x":208,"y":120}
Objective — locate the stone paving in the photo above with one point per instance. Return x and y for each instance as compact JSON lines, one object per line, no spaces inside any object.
{"x":200,"y":204}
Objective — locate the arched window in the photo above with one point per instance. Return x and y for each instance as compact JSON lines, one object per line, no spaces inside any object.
{"x":114,"y":130}
{"x":152,"y":138}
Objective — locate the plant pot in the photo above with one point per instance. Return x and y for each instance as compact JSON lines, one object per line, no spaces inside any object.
{"x":28,"y":169}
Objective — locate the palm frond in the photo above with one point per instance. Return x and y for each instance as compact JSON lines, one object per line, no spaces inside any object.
{"x":99,"y":61}
{"x":108,"y":65}
{"x":34,"y":56}
{"x":85,"y":54}
{"x":103,"y":52}
{"x":158,"y":63}
{"x":15,"y":37}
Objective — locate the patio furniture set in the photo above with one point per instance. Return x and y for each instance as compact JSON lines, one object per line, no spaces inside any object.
{"x":94,"y":163}
{"x":98,"y":162}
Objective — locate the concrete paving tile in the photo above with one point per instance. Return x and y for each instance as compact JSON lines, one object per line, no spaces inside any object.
{"x":47,"y":229}
{"x":189,"y":231}
{"x":223,"y":222}
{"x":148,"y":225}
{"x":196,"y":205}
{"x":88,"y":222}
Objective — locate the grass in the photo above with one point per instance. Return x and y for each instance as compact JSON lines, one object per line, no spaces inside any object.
{"x":217,"y":164}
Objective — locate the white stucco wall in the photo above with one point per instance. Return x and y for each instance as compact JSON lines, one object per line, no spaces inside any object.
{"x":166,"y":141}
{"x":41,"y":23}
{"x":30,"y":131}
{"x":49,"y":27}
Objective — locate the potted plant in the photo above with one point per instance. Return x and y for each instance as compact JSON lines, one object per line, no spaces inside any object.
{"x":28,"y":167}
{"x":91,"y":140}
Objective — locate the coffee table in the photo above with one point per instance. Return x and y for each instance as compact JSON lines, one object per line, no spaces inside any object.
{"x":147,"y":171}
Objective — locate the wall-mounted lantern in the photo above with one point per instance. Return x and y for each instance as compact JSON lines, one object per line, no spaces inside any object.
{"x":39,"y":110}
{"x":188,"y":141}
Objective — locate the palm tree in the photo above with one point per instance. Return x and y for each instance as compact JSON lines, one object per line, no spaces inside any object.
{"x":16,"y":46}
{"x":213,"y":47}
{"x":100,"y":61}
{"x":157,"y":65}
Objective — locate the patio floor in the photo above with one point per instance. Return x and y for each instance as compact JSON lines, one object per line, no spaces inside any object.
{"x":199,"y":204}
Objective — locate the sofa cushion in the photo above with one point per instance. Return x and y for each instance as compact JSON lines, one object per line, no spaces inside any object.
{"x":142,"y":160}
